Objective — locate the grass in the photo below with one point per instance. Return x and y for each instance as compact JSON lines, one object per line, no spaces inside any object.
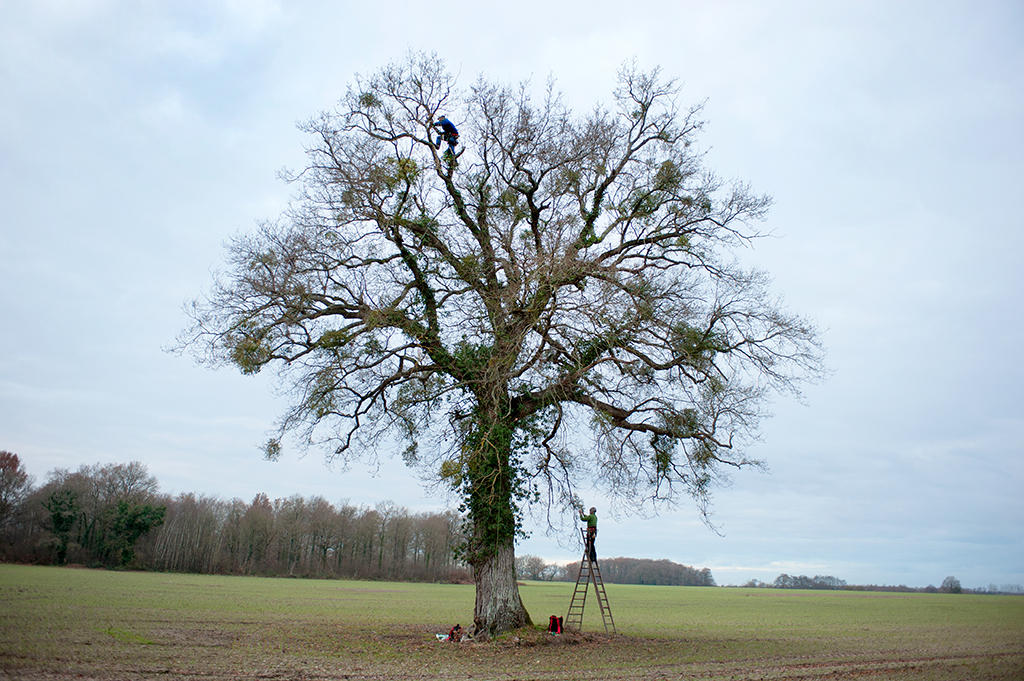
{"x":58,"y":623}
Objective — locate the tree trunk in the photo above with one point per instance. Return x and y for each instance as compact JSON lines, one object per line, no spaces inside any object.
{"x":498,"y":606}
{"x":490,"y":501}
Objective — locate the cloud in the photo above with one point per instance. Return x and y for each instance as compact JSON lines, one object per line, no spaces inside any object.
{"x":774,"y":567}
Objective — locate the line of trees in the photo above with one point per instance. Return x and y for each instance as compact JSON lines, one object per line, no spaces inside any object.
{"x":114,"y":516}
{"x":306,"y":537}
{"x":950,"y":585}
{"x":644,"y":571}
{"x":785,"y":581}
{"x":618,"y":571}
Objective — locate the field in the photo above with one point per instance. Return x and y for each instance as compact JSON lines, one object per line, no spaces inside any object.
{"x":62,"y":623}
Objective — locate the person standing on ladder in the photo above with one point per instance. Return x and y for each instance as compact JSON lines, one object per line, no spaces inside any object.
{"x":589,"y":572}
{"x":591,"y":521}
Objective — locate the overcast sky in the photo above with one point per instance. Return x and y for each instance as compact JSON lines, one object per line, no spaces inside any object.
{"x":137,"y":137}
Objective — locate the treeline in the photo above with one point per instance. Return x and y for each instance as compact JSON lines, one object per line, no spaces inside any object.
{"x":785,"y":581}
{"x":305,"y":538}
{"x":645,"y":571}
{"x":113,"y":515}
{"x":618,"y":571}
{"x":950,"y":585}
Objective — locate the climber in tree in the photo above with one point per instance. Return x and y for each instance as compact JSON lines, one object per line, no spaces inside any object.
{"x":449,"y":133}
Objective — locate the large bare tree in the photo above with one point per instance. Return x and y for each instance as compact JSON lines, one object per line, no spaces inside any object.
{"x":560,"y":301}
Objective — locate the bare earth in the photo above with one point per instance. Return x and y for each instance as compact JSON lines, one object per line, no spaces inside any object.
{"x":90,"y":624}
{"x":210,"y":655}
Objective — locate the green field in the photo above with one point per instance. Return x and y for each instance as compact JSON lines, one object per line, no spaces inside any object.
{"x":61,"y":623}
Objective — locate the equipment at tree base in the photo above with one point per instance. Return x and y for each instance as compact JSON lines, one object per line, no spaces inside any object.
{"x":589,"y":572}
{"x":554,"y":624}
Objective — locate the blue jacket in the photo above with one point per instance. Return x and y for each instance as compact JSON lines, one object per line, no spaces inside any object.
{"x":447,"y":126}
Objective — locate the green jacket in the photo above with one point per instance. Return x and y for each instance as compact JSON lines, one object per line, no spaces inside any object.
{"x":590,"y":519}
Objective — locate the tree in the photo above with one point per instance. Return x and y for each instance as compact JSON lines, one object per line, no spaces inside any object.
{"x":63,"y":508}
{"x":258,"y":533}
{"x":530,"y":567}
{"x":567,"y":273}
{"x":951,"y":585}
{"x":130,"y":522}
{"x":15,"y":485}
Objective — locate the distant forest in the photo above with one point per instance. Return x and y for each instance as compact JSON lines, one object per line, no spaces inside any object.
{"x":618,"y":571}
{"x":114,"y":516}
{"x":949,"y":585}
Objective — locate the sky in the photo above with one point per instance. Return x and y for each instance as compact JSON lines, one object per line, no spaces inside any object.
{"x":136,"y":138}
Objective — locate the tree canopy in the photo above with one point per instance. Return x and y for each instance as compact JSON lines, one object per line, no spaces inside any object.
{"x":566,"y":275}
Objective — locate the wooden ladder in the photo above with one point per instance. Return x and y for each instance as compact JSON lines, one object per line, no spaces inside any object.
{"x":589,"y":572}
